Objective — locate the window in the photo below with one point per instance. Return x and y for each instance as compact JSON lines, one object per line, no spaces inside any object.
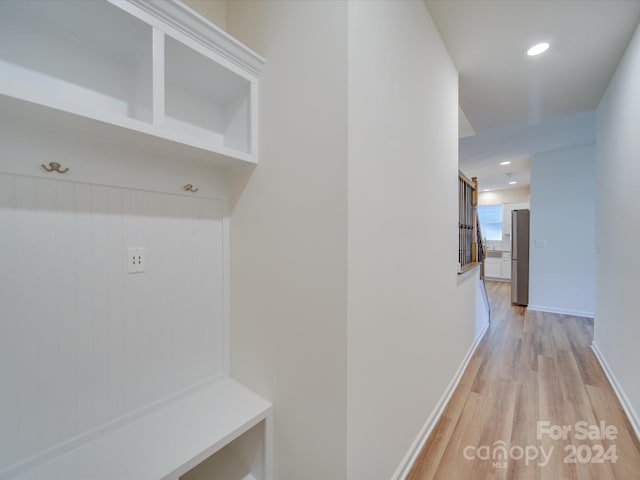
{"x":490,"y":217}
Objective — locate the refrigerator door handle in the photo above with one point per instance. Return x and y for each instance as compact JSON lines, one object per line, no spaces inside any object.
{"x":514,"y":281}
{"x":514,"y":234}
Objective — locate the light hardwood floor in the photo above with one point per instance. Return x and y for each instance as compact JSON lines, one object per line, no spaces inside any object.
{"x":530,"y":367}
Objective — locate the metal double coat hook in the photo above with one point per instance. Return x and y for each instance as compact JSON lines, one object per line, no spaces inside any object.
{"x":55,"y":167}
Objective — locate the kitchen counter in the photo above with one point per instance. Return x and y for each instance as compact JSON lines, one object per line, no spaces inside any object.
{"x":497,"y":253}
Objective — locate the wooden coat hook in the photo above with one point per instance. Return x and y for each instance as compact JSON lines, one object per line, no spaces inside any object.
{"x":189,"y":188}
{"x":55,"y":167}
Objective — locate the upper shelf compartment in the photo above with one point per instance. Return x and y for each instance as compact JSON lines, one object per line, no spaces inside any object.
{"x":154,"y":69}
{"x":65,"y":54}
{"x":210,"y":104}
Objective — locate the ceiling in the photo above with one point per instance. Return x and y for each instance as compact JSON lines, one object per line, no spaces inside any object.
{"x":519,"y":105}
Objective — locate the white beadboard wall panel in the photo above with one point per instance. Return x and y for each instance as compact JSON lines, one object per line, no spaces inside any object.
{"x":28,"y":335}
{"x":83,"y":343}
{"x":9,"y":355}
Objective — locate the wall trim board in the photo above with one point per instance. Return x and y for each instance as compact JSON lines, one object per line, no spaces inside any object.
{"x":85,"y":437}
{"x":561,"y":311}
{"x":80,"y":181}
{"x":423,"y":435}
{"x":103,"y":161}
{"x":632,"y":415}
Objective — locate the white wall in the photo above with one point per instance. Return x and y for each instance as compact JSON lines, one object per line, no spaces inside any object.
{"x":82,"y":343}
{"x":289,"y":234}
{"x":509,"y":195}
{"x":213,"y":10}
{"x":562,"y":236}
{"x":617,"y":328}
{"x":406,"y":333}
{"x":501,"y":197}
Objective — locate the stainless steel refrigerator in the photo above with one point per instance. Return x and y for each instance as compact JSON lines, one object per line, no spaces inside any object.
{"x":520,"y":257}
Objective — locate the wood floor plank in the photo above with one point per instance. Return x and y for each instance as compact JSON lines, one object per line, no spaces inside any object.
{"x":524,"y":422}
{"x":531,"y":367}
{"x":528,"y":357}
{"x":607,"y":409}
{"x":453,"y":463}
{"x":590,"y":369}
{"x":439,"y":438}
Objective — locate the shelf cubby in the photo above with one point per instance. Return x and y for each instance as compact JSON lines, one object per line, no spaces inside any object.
{"x":91,"y":57}
{"x":211,"y":103}
{"x":242,"y":459}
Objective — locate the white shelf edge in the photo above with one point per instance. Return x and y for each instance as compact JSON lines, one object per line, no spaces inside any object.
{"x":240,"y":159}
{"x":190,"y":23}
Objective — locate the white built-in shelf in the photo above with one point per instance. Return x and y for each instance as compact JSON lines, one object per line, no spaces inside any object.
{"x":214,"y":102}
{"x":201,"y":428}
{"x":154,"y":68}
{"x":152,"y":75}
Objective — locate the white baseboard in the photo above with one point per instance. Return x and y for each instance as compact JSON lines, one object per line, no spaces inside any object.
{"x":634,"y":420}
{"x":561,"y":311}
{"x":416,"y":447}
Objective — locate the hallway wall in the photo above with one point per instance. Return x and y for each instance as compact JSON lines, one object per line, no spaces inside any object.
{"x":508,"y":195}
{"x":408,"y":329}
{"x":289,"y":234}
{"x":357,"y":183}
{"x":617,"y":329}
{"x":562,"y":238}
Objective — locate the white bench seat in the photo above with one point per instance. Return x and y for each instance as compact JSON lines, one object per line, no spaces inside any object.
{"x":165,"y":443}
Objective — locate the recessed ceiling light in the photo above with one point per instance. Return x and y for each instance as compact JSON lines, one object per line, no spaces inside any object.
{"x":486,"y":190}
{"x":505,"y":163}
{"x":512,"y":182}
{"x":538,"y":49}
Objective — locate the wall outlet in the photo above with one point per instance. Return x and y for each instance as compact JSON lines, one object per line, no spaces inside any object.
{"x":136,"y":260}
